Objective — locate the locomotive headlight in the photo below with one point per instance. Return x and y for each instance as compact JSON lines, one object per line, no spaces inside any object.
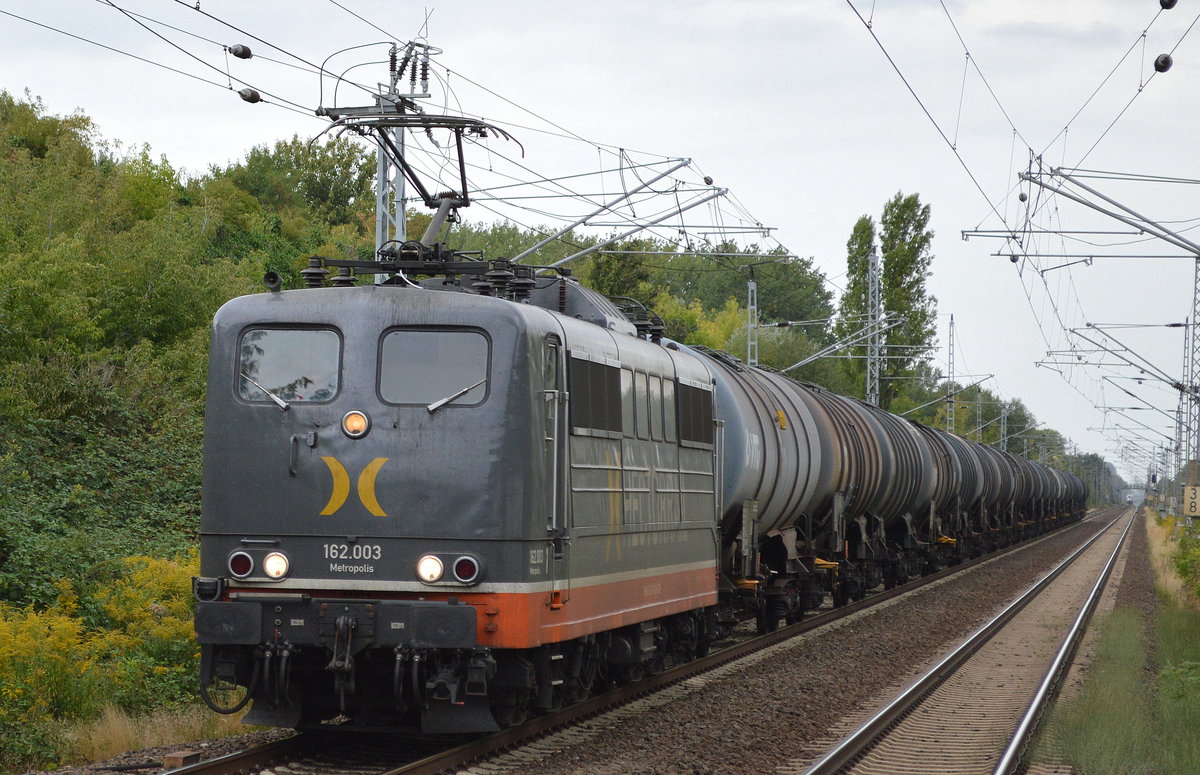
{"x":355,"y":424}
{"x":429,"y":569}
{"x":275,"y":565}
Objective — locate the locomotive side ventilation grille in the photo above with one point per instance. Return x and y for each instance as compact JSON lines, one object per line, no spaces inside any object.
{"x":595,"y":396}
{"x":695,"y":415}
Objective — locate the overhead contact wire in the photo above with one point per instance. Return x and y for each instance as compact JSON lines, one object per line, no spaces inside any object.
{"x":962,"y":162}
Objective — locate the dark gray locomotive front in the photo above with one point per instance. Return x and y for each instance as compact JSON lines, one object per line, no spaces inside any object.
{"x":405,"y":514}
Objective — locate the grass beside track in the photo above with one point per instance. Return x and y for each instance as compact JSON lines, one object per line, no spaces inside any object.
{"x":1108,"y":727}
{"x":1178,"y":690}
{"x":1139,"y":706}
{"x":116,"y":732}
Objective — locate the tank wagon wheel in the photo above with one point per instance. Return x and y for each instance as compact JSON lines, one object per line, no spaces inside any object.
{"x":763,"y":622}
{"x":794,"y":607}
{"x":891,"y":574}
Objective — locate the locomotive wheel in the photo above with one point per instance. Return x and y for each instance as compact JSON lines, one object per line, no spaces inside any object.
{"x":626,"y":674}
{"x":511,"y":709}
{"x":580,"y":687}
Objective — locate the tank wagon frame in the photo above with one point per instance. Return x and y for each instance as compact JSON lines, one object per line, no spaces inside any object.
{"x":457,"y":503}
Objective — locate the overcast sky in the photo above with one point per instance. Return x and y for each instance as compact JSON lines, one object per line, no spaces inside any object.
{"x":792,"y":105}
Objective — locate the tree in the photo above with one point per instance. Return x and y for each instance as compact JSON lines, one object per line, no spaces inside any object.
{"x":333,"y":180}
{"x":904,"y":245}
{"x":905,"y":242}
{"x":852,"y":309}
{"x":789,"y":288}
{"x":619,"y":274}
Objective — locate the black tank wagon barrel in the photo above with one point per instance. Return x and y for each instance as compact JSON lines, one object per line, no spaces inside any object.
{"x":454,"y":504}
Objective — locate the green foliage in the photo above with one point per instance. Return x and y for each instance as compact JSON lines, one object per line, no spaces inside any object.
{"x":114,"y":268}
{"x":1178,"y":714}
{"x":618,"y":275}
{"x":852,"y":311}
{"x":333,"y":180}
{"x":1186,"y":560}
{"x":125,"y":641}
{"x":24,"y":125}
{"x":693,"y":324}
{"x":81,"y":491}
{"x":905,"y":241}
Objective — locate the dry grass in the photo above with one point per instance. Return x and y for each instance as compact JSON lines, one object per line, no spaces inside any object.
{"x":1162,"y":545}
{"x":116,"y":732}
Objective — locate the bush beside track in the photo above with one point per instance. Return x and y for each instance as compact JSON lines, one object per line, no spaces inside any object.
{"x":124,"y":641}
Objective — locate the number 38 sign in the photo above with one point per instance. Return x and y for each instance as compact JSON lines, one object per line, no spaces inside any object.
{"x":1191,"y":501}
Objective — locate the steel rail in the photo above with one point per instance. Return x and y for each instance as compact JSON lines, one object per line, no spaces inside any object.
{"x":1010,"y":759}
{"x":856,"y":742}
{"x":258,"y":757}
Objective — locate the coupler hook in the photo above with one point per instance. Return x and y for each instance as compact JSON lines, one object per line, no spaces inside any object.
{"x":342,"y":663}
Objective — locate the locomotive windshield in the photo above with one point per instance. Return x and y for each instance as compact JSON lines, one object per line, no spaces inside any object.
{"x":424,"y":366}
{"x":290,"y":364}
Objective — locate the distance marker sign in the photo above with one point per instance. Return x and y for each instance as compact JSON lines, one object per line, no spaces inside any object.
{"x":1191,"y":500}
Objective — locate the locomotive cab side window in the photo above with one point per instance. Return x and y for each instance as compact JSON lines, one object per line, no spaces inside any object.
{"x":430,"y":365}
{"x":289,"y":364}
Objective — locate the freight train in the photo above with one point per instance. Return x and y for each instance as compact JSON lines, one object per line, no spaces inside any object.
{"x":456,"y":502}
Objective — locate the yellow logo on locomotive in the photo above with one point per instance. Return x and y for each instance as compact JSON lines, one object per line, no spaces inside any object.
{"x":341,"y":486}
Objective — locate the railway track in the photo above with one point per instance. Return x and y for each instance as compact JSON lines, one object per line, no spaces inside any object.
{"x":975,"y":711}
{"x":509,"y":749}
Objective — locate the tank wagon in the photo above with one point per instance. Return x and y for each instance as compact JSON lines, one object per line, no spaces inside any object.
{"x":455,"y":503}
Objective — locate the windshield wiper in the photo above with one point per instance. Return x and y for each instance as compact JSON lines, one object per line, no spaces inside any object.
{"x":436,"y":405}
{"x":284,"y":405}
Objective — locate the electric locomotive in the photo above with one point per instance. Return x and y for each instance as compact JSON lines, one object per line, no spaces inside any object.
{"x":405,"y":516}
